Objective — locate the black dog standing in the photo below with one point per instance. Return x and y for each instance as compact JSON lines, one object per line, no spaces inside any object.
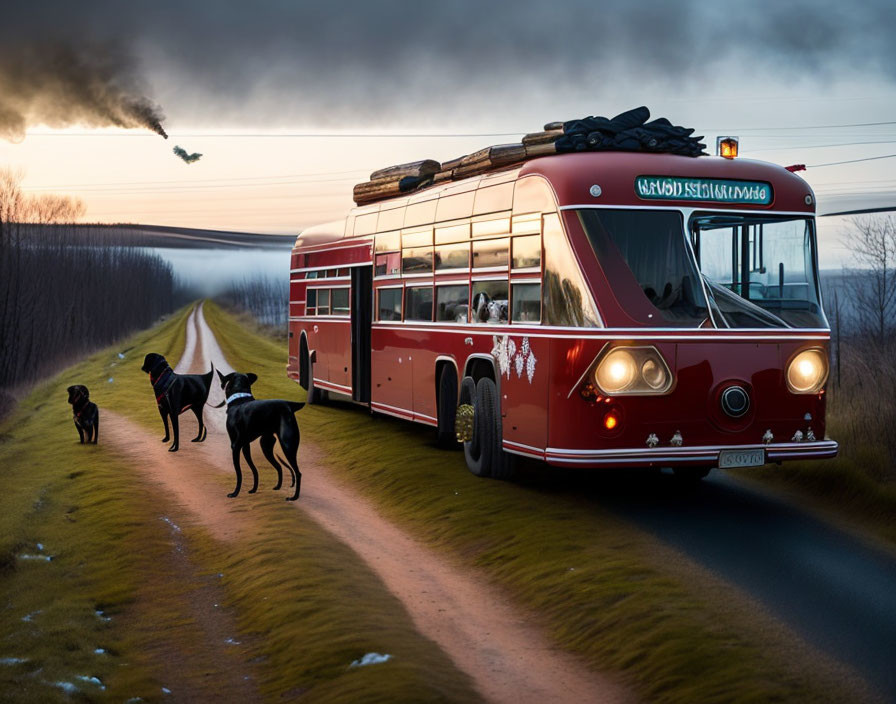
{"x":86,"y":413}
{"x":175,"y":393}
{"x":248,"y":419}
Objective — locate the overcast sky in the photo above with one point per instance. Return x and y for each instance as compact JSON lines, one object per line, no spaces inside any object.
{"x":753,"y":68}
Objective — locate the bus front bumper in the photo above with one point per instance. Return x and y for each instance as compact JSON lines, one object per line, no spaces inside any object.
{"x":705,"y":456}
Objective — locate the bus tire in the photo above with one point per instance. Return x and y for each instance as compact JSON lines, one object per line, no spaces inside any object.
{"x":690,"y":476}
{"x":501,"y":464}
{"x":315,"y":395}
{"x":478,"y":462}
{"x":447,"y":437}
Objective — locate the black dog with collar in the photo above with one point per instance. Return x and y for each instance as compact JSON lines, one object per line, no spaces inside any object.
{"x":248,"y":419}
{"x":85,"y":412}
{"x":176,"y":393}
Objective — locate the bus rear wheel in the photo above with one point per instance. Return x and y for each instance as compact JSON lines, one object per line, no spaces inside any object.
{"x":485,"y":454}
{"x":315,"y":395}
{"x":447,"y":437}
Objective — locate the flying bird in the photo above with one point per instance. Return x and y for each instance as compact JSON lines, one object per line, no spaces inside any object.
{"x":189,"y":158}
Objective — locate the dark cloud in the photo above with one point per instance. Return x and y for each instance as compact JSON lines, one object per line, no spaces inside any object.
{"x":291,"y":62}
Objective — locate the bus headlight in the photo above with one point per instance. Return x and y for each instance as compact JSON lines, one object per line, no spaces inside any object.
{"x":632,"y":370}
{"x":807,"y":372}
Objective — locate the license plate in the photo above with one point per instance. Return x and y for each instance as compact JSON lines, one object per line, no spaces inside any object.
{"x":741,"y":458}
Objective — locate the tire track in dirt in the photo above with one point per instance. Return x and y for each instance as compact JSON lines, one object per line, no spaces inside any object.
{"x":502,"y":648}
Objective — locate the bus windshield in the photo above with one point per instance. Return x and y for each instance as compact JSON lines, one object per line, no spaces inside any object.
{"x":645,"y":256}
{"x":761,"y":270}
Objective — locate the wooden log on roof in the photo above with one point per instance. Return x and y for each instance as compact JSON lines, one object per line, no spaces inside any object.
{"x":426,"y":167}
{"x":490,"y":158}
{"x":443,"y":176}
{"x":371,"y":191}
{"x":551,"y":126}
{"x":541,"y":137}
{"x":543,"y":149}
{"x":452,"y":164}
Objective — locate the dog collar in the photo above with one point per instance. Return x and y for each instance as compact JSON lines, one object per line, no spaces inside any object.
{"x":230,"y":399}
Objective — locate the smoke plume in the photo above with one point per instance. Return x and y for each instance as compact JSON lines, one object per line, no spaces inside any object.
{"x":63,"y":85}
{"x":189,"y":158}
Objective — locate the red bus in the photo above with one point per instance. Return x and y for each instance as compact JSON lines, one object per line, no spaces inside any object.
{"x":596,"y":309}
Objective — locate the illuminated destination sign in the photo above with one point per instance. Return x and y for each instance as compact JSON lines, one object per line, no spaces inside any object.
{"x":711,"y":190}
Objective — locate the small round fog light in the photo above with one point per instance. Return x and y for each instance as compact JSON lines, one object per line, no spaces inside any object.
{"x":735,"y":401}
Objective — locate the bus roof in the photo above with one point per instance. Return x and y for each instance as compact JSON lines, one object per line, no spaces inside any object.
{"x":573,"y":176}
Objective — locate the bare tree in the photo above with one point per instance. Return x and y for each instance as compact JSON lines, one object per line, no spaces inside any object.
{"x":66,"y":289}
{"x":872,"y":283}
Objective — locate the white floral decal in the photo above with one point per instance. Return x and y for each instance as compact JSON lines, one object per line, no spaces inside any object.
{"x":505,"y":352}
{"x":500,"y":353}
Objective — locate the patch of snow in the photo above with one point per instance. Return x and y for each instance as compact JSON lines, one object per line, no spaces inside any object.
{"x":92,"y":680}
{"x":121,"y":355}
{"x":371,"y":659}
{"x":99,"y":651}
{"x":174,"y":526}
{"x":40,"y":547}
{"x":134,"y":700}
{"x":101,"y":615}
{"x":42,"y":558}
{"x":165,"y":690}
{"x":30,"y":617}
{"x":231,"y":641}
{"x":67,"y":687}
{"x":12,"y":661}
{"x":111,"y":379}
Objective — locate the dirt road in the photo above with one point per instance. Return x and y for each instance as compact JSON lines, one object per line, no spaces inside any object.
{"x":503,"y":649}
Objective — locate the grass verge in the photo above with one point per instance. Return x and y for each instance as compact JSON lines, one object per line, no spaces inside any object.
{"x":118,"y":600}
{"x":603,"y":589}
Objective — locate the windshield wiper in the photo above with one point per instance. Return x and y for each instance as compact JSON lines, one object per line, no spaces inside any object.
{"x":743,"y":305}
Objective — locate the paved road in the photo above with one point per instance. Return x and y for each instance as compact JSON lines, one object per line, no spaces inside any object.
{"x":833,"y":588}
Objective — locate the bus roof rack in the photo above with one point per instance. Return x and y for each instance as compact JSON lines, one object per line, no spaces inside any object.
{"x":629,"y":132}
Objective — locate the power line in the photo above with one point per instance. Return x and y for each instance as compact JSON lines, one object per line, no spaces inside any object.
{"x":421,"y":135}
{"x":821,"y":146}
{"x":202,"y":181}
{"x":850,"y":161}
{"x":811,"y":127}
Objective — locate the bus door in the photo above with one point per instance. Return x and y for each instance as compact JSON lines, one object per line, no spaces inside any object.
{"x":362,"y":311}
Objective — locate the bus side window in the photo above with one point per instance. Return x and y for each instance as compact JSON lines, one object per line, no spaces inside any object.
{"x":566,"y":298}
{"x":388,"y":264}
{"x":418,"y":305}
{"x":491,"y":253}
{"x":389,"y":304}
{"x":452,"y":303}
{"x":340,"y":301}
{"x":323,"y":301}
{"x":532,"y":194}
{"x":526,"y":252}
{"x":489,"y":302}
{"x":311,"y":301}
{"x":526,"y":303}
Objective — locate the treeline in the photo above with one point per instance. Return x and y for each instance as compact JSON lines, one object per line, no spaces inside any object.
{"x":861,"y":307}
{"x":64,"y":291}
{"x":264,"y":297}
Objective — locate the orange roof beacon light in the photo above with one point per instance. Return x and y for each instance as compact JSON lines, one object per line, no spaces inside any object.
{"x":727,"y":146}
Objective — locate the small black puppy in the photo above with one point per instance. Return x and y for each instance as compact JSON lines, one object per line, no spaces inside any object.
{"x":248,"y":419}
{"x":175,"y":393}
{"x":86,"y":413}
